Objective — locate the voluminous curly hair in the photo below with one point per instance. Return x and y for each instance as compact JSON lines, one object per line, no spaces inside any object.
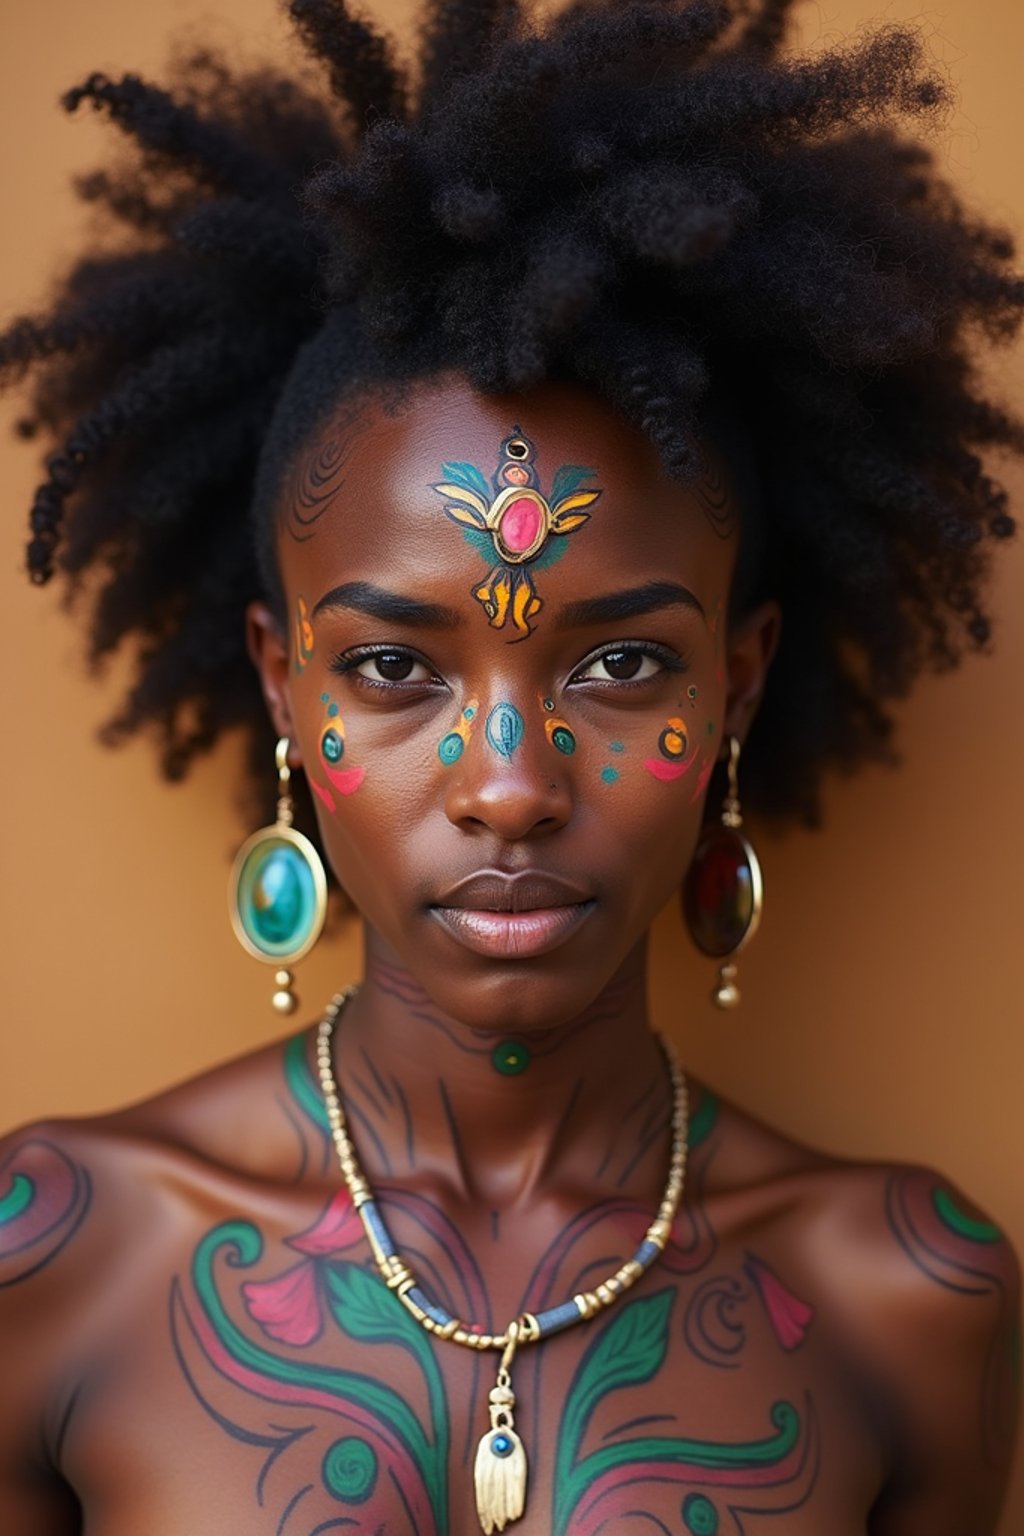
{"x":652,"y":199}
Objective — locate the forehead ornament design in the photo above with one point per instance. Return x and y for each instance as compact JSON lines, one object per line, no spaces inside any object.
{"x":509,"y":517}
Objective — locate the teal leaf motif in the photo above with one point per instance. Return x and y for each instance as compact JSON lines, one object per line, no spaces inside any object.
{"x":629,"y":1351}
{"x":482,"y":541}
{"x":460,"y":473}
{"x":367,"y":1311}
{"x":567,"y":480}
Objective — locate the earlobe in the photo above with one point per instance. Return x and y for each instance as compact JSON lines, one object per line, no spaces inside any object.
{"x":751,"y":644}
{"x":268,"y":651}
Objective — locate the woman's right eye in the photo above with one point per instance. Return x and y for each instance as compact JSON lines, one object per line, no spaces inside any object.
{"x":392,"y":667}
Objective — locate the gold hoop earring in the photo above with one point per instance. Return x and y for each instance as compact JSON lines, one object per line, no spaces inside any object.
{"x":278,"y":891}
{"x":723,"y":891}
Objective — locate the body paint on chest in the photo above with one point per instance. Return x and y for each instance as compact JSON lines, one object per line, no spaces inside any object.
{"x":514,"y":526}
{"x":342,"y":777}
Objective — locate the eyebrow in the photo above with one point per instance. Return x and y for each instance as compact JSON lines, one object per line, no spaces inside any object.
{"x":391,"y":607}
{"x":630,"y":603}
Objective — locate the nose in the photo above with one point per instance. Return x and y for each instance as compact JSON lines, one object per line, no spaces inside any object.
{"x":509,"y":780}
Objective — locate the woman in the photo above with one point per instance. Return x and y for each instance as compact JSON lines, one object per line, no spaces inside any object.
{"x":614,"y":395}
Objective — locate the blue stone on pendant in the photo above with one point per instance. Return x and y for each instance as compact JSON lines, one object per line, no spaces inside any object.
{"x":277,"y":900}
{"x":501,"y":1445}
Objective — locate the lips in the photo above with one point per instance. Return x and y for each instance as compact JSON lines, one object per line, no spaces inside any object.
{"x":490,"y":891}
{"x":512,"y":916}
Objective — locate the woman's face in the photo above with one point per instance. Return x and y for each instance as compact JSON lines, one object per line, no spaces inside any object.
{"x":507,"y":677}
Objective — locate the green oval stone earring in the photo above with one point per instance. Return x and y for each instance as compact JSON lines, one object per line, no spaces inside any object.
{"x":278,"y":891}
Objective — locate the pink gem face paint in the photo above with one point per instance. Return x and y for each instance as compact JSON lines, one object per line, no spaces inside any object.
{"x":343,"y":779}
{"x":509,"y":518}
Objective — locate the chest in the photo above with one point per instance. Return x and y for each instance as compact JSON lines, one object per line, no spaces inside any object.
{"x":278,"y":1386}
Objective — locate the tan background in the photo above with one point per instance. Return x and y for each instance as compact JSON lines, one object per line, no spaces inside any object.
{"x":883,"y":996}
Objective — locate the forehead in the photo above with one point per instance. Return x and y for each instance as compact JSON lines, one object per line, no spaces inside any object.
{"x":361,"y":501}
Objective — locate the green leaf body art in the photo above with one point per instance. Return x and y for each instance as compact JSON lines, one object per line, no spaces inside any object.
{"x":381,"y":1428}
{"x":509,"y":517}
{"x":629,"y":1352}
{"x":504,"y":729}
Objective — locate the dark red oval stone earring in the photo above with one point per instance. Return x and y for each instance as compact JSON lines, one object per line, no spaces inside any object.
{"x":723,"y":889}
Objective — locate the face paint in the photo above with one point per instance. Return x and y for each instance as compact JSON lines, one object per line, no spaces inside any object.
{"x":609,"y":775}
{"x":504,"y":729}
{"x":303,"y":636}
{"x":691,"y":694}
{"x":673,"y":744}
{"x":558,"y":732}
{"x":616,"y":746}
{"x":451,"y":747}
{"x":509,"y":517}
{"x":345,"y":780}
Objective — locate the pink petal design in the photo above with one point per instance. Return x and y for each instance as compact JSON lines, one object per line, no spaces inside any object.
{"x":665,"y":771}
{"x":789,"y":1316}
{"x":287,"y":1308}
{"x":345,"y":780}
{"x":336,"y":1228}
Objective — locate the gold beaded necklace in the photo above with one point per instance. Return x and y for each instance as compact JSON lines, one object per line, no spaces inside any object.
{"x":500,"y":1469}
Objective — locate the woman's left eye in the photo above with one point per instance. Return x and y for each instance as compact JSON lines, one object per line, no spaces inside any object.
{"x":628,"y":664}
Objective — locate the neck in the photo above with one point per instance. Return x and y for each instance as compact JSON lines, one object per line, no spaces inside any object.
{"x":427,"y":1104}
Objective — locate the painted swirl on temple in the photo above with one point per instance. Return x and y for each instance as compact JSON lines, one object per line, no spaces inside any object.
{"x":319,"y":478}
{"x":44,"y":1198}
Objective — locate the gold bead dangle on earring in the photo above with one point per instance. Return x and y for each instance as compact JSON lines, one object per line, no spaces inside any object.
{"x":278,"y":891}
{"x":723,"y":890}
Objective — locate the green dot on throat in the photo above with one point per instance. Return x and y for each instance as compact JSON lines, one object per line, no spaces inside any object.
{"x":510,"y":1058}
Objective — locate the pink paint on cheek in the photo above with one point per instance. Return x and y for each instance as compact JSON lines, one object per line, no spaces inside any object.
{"x":345,"y":780}
{"x":323,"y":795}
{"x":666,"y":772}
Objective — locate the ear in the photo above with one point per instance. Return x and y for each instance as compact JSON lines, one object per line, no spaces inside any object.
{"x":268,"y":651}
{"x":750,"y":646}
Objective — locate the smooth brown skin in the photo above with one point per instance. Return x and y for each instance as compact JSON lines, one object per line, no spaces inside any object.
{"x":91,"y":1392}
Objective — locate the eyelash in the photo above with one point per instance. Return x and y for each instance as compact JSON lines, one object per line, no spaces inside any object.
{"x":345,"y":663}
{"x":669,"y":660}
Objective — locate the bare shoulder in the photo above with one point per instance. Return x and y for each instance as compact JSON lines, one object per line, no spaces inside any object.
{"x":918,"y":1292}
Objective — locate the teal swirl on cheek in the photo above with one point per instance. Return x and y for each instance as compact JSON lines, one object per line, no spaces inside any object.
{"x":504,"y":729}
{"x":452,"y":745}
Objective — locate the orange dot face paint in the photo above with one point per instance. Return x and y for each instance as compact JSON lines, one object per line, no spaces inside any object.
{"x":673,"y":745}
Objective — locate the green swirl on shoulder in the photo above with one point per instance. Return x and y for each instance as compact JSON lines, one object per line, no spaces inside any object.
{"x":959,"y":1222}
{"x":17,"y":1199}
{"x":703,"y":1122}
